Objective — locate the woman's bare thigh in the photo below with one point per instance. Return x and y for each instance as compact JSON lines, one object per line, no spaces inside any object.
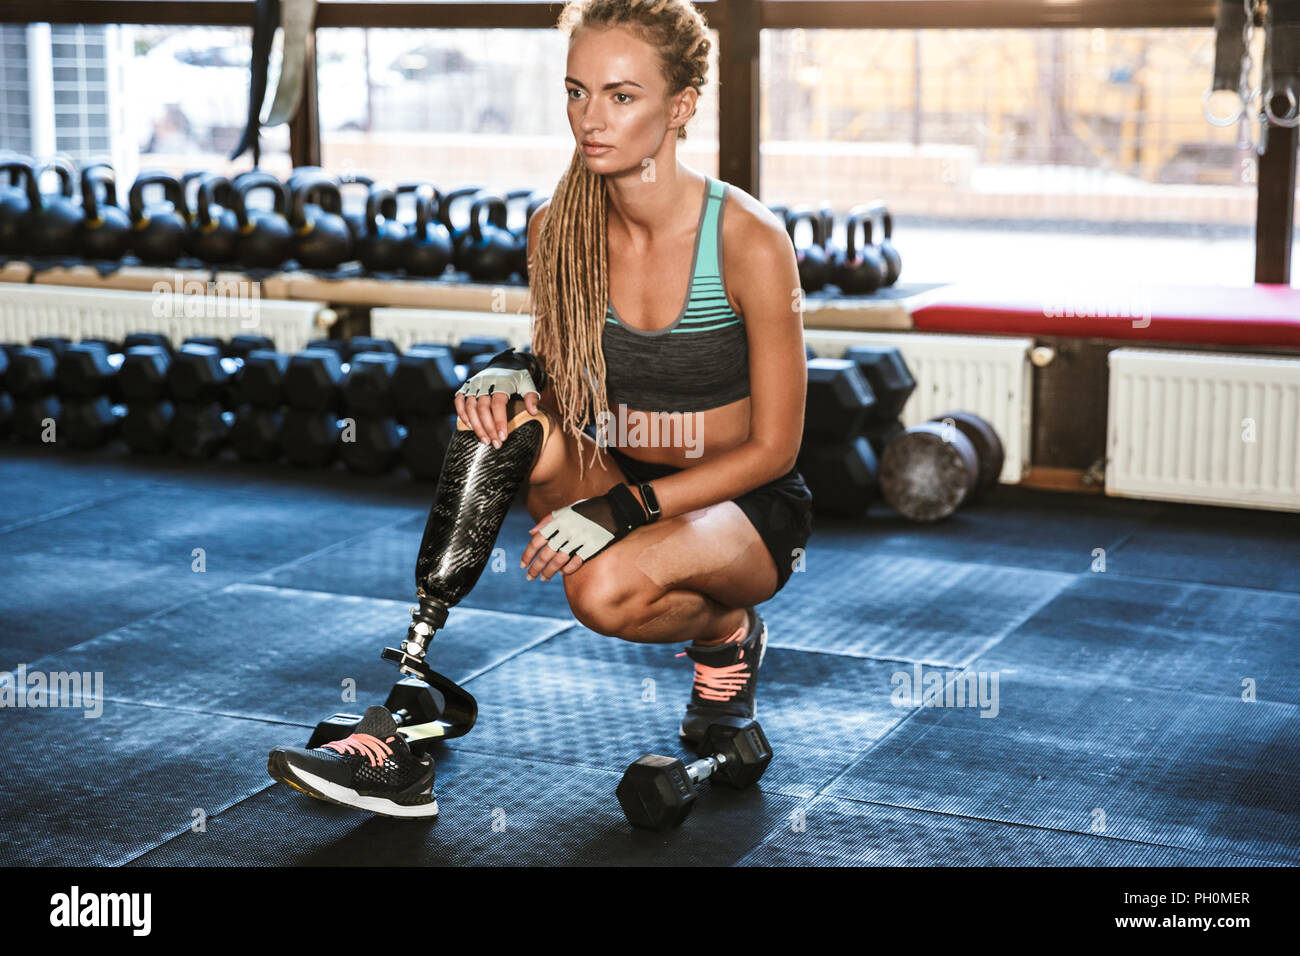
{"x":555,"y":482}
{"x":714,"y":550}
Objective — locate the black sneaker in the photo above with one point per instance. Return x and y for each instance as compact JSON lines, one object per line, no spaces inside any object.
{"x":726,"y":679}
{"x":373,"y":770}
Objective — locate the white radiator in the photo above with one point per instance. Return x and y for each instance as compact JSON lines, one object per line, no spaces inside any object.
{"x":990,"y":376}
{"x":1204,"y":427}
{"x":446,"y":326}
{"x":32,"y":311}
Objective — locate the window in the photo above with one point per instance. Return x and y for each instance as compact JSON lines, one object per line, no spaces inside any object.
{"x":1090,"y":141}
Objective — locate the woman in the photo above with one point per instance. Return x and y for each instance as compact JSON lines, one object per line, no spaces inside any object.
{"x":680,"y":294}
{"x":655,"y":290}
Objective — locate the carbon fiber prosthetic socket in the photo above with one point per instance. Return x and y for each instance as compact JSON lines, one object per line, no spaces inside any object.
{"x":477,"y":485}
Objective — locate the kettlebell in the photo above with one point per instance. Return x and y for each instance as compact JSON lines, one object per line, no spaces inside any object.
{"x":13,"y":204}
{"x":427,"y":250}
{"x":457,"y":233}
{"x":303,"y":174}
{"x":265,"y":236}
{"x":893,"y":261}
{"x":834,"y":251}
{"x":812,"y":257}
{"x":158,"y":231}
{"x":105,"y":226}
{"x":52,"y":223}
{"x":322,"y":239}
{"x":357,"y":220}
{"x":380,"y":249}
{"x":488,"y":250}
{"x":862,"y":270}
{"x":214,"y":230}
{"x":519,"y":261}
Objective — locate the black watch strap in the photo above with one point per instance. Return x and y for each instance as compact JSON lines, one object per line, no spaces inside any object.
{"x":628,"y":513}
{"x":651,"y":502}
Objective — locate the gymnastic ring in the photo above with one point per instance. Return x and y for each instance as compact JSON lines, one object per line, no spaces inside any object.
{"x":1221,"y":121}
{"x":1292,"y":118}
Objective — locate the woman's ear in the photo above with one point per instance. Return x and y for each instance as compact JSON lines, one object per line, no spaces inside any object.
{"x":684,"y":104}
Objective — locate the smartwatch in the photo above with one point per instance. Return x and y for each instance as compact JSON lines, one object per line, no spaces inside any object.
{"x":651,"y":502}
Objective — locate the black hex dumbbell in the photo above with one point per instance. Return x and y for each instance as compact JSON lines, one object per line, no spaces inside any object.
{"x":142,"y":381}
{"x":259,"y":418}
{"x":657,"y":793}
{"x":240,"y":346}
{"x":368,"y":343}
{"x":425,"y":382}
{"x":202,"y":384}
{"x":136,"y":339}
{"x":425,"y":446}
{"x":478,"y":345}
{"x":30,"y":380}
{"x":6,"y":400}
{"x":86,"y":374}
{"x":370,"y":441}
{"x":313,"y":384}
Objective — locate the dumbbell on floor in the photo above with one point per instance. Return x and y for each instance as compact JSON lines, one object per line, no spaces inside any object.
{"x":86,"y":376}
{"x":316,"y":385}
{"x":142,"y":380}
{"x":259,"y":417}
{"x":202,"y":383}
{"x":6,"y":401}
{"x":657,"y":793}
{"x":838,"y":465}
{"x":935,"y":467}
{"x":30,"y":380}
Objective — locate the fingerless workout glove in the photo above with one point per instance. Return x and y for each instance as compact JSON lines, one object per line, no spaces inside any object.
{"x":511,"y":372}
{"x":587,"y":527}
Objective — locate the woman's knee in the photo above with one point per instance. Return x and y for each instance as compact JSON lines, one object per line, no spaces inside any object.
{"x":606,"y":599}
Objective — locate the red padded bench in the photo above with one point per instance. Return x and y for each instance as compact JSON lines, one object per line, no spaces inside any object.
{"x":1261,"y":315}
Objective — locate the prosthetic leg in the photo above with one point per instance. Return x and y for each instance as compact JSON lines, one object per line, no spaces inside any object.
{"x":475,"y":490}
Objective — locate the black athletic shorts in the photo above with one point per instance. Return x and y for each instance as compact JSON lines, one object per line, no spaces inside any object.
{"x":781,"y":510}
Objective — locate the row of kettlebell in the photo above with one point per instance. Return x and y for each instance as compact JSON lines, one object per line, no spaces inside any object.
{"x":854,"y":268}
{"x":209,"y":217}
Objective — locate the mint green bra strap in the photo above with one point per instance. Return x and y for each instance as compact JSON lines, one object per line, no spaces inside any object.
{"x":707,"y":262}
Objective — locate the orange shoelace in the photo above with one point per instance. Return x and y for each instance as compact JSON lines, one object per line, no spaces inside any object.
{"x":722,"y":683}
{"x":370,"y":747}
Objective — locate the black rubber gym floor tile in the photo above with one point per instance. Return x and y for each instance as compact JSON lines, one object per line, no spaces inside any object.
{"x":283,"y":655}
{"x":382,"y":564}
{"x":598,"y":702}
{"x":36,"y":488}
{"x":492,"y":811}
{"x":1233,"y":546}
{"x":76,"y":576}
{"x":1020,"y":527}
{"x":832,"y":832}
{"x":101,"y":791}
{"x":1119,"y":632}
{"x":1209,"y":774}
{"x":904,"y":608}
{"x":219,"y":473}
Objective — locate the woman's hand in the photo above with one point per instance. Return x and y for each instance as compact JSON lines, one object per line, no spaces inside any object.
{"x":486,"y":414}
{"x":578,"y":532}
{"x":549,"y":561}
{"x":481,"y":402}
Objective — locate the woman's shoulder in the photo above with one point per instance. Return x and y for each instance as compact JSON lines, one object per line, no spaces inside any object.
{"x":748,"y":222}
